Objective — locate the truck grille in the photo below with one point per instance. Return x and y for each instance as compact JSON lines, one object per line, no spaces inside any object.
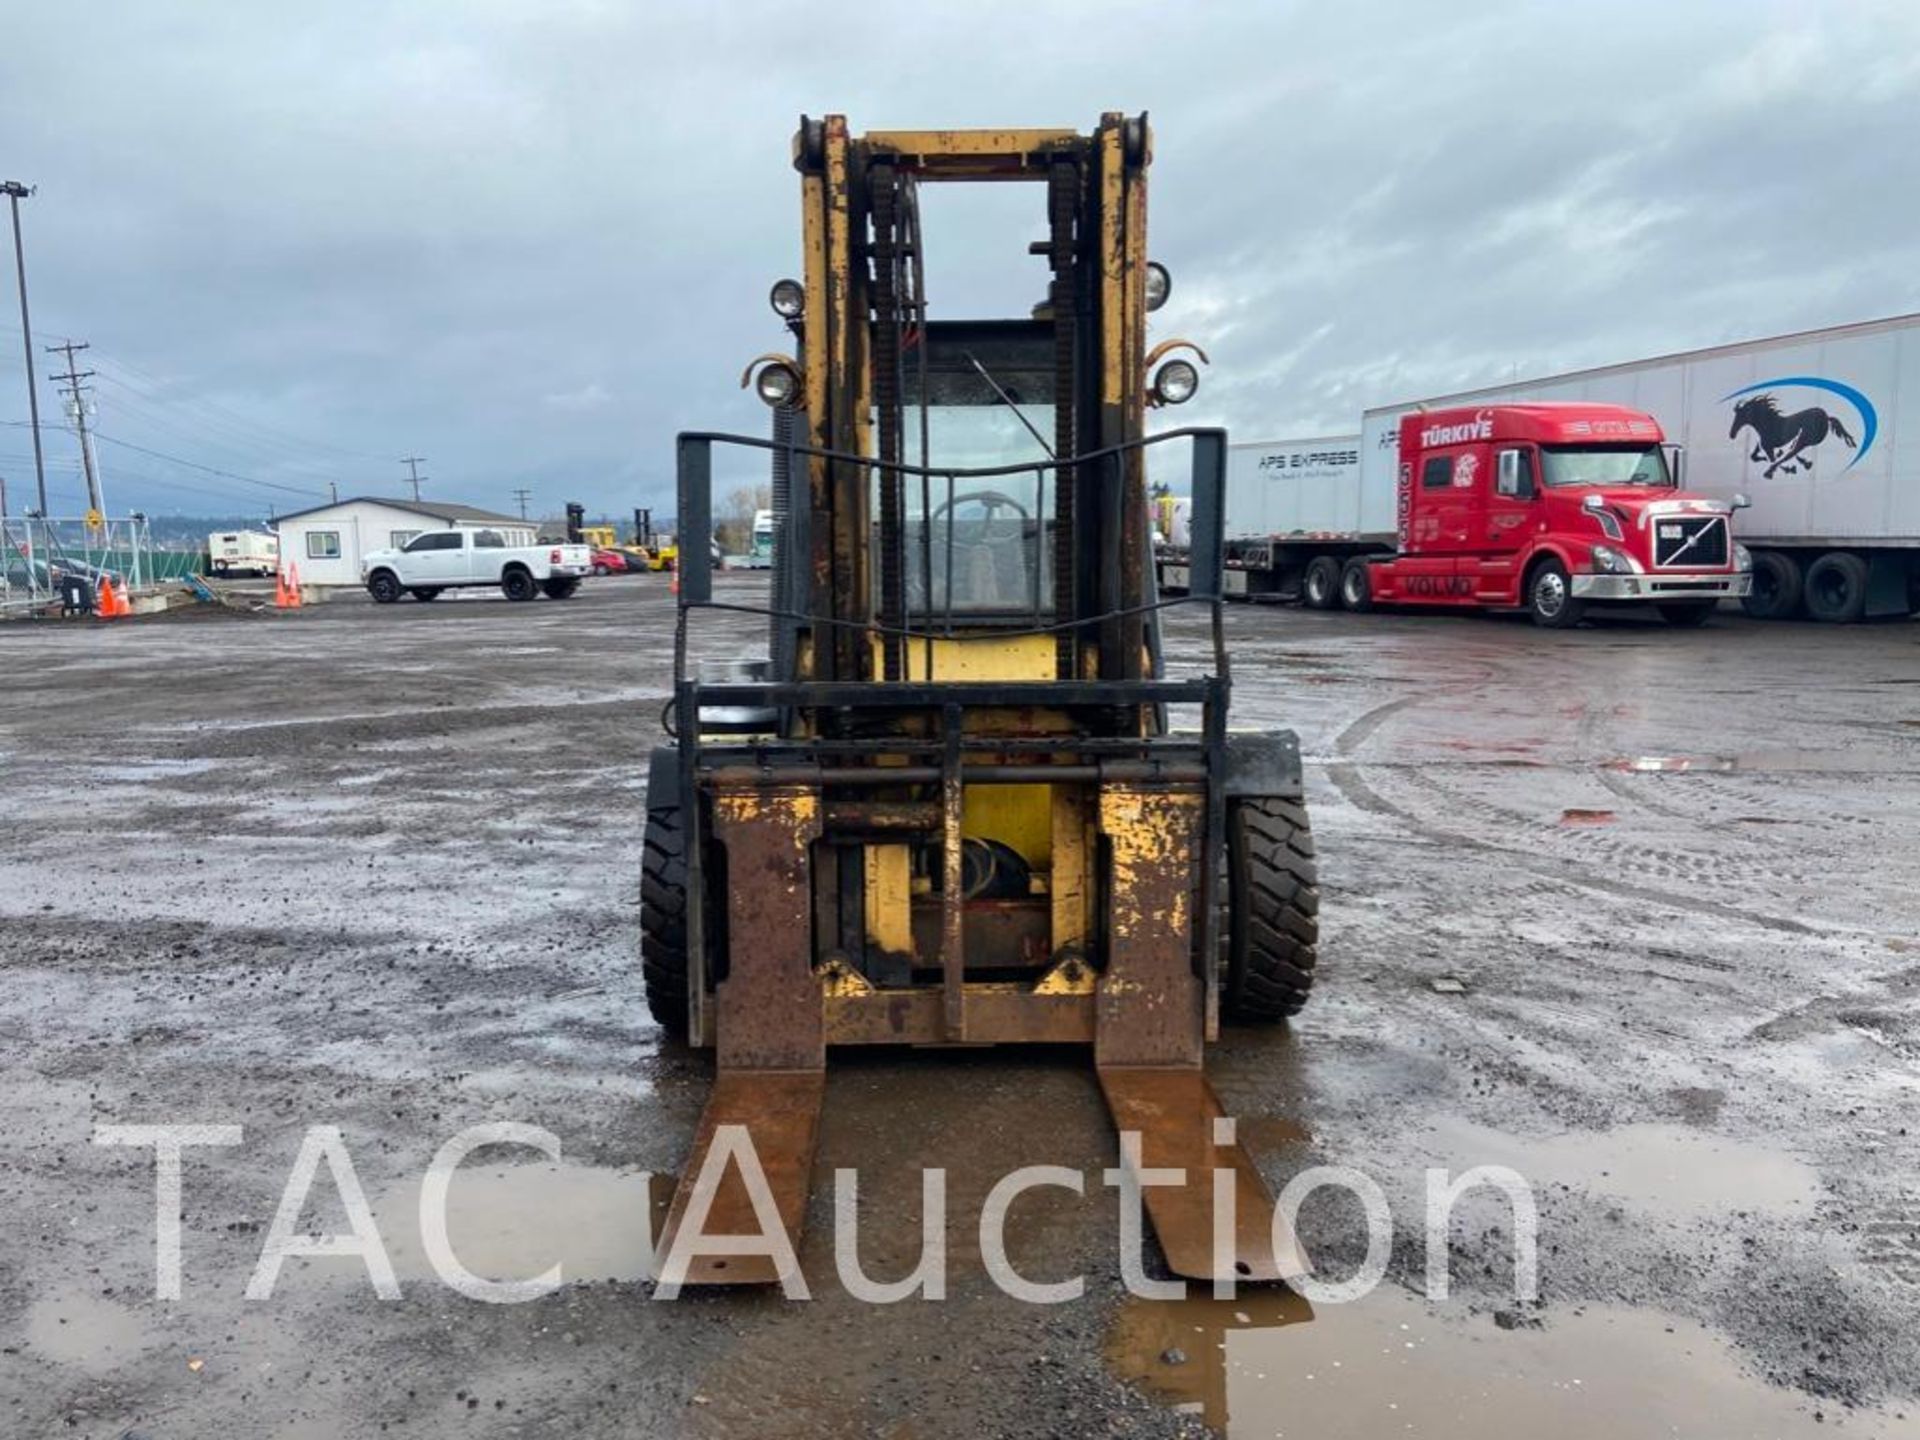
{"x":1690,"y":541}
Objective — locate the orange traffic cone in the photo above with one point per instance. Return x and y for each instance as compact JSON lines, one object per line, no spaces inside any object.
{"x":108,"y":605}
{"x":293,"y":584}
{"x":285,"y":597}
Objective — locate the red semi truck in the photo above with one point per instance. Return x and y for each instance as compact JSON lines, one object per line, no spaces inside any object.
{"x":1542,"y":507}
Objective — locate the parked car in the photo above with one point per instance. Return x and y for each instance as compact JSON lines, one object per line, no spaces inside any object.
{"x":611,"y":562}
{"x":438,"y":560}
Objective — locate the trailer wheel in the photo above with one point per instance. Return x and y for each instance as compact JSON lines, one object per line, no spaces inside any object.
{"x":663,"y":919}
{"x":1320,"y":586}
{"x":1356,"y":585}
{"x":517,"y":584}
{"x":1550,"y":596}
{"x":1687,"y":614}
{"x":1273,"y":926}
{"x":425,"y":592}
{"x":384,"y":586}
{"x":1836,"y":588}
{"x":1776,"y":586}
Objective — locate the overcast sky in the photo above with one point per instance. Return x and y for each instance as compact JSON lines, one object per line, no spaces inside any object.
{"x":529,"y":241}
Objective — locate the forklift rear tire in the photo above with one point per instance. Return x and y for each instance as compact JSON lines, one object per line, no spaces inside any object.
{"x":1273,"y":925}
{"x":1320,"y":586}
{"x":1550,"y":596}
{"x":663,"y":920}
{"x":1356,"y":585}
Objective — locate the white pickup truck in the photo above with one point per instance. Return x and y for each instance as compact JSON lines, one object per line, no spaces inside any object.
{"x":437,"y":560}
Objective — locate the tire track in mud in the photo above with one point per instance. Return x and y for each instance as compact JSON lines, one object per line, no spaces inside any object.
{"x":1347,"y":776}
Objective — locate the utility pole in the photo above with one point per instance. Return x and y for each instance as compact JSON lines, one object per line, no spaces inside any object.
{"x":333,"y":492}
{"x":414,"y":477}
{"x":77,"y":397}
{"x":521,"y":496}
{"x":16,"y":192}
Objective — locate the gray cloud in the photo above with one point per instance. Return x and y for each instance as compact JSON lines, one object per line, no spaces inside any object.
{"x":531,"y":241}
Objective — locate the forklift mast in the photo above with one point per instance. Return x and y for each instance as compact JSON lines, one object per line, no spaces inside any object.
{"x":869,"y":350}
{"x":950,"y":808}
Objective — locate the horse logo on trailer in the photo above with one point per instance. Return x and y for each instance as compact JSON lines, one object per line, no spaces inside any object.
{"x":1787,"y":441}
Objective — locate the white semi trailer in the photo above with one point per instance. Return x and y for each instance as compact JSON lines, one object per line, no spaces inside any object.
{"x":1811,"y":427}
{"x":1288,"y":502}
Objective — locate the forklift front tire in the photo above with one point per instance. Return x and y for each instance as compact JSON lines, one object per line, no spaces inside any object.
{"x":663,"y":919}
{"x":1273,"y":900}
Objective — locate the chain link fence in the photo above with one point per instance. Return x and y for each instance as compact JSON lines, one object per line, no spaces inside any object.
{"x":44,"y":560}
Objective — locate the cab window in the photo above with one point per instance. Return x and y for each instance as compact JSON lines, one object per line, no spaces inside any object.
{"x":1437,"y":473}
{"x":489,"y":540}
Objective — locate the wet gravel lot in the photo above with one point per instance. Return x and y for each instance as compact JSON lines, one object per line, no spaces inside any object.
{"x":1631,"y":911}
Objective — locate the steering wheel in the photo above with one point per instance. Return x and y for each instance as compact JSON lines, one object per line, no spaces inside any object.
{"x":990,"y":531}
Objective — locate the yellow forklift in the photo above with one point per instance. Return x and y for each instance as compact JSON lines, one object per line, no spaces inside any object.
{"x":962,"y":802}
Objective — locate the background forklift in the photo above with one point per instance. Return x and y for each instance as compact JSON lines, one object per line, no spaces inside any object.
{"x":953,"y":807}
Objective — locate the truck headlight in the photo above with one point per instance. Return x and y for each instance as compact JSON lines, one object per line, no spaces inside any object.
{"x":1742,"y":558}
{"x":1609,"y":561}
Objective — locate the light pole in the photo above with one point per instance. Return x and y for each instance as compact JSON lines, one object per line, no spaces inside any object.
{"x":16,"y":192}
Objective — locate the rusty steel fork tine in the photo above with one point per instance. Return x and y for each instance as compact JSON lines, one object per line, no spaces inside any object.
{"x":780,"y":1111}
{"x":1175,"y":1112}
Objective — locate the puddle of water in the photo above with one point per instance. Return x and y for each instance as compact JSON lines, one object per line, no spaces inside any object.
{"x":514,"y":1222}
{"x":1668,"y":1169}
{"x":142,"y":772}
{"x":1271,"y":1365}
{"x":1670,"y":764}
{"x":1754,"y":762}
{"x":88,"y":1331}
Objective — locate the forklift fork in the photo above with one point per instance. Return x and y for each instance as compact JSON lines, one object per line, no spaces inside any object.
{"x":1150,"y":1013}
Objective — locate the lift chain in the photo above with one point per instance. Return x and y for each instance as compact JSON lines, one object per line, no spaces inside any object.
{"x":889,"y":321}
{"x":1063,"y":197}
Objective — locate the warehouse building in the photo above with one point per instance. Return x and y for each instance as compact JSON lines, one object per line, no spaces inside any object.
{"x":326,"y":543}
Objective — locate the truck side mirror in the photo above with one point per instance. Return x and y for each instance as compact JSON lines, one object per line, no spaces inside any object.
{"x":1677,"y":465}
{"x":1513,"y":477}
{"x":1596,"y":503}
{"x":1742,"y":501}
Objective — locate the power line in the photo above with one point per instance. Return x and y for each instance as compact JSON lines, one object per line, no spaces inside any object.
{"x":220,"y":417}
{"x":208,"y":469}
{"x":413,"y":464}
{"x":77,"y":397}
{"x":173,"y":418}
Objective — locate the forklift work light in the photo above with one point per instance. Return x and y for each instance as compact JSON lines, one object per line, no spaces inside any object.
{"x":1159,"y":284}
{"x":1175,"y":382}
{"x":789,"y":299}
